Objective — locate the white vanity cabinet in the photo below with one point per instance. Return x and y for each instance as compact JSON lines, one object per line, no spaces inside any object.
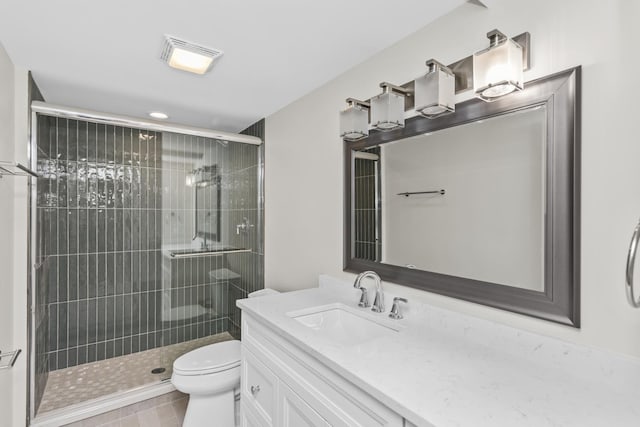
{"x":283,"y":386}
{"x":441,"y":369}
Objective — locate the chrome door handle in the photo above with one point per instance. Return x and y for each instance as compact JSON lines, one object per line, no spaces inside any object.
{"x":255,"y":389}
{"x":631,"y":259}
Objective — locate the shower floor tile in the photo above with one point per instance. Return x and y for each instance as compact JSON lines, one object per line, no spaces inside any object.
{"x":80,"y":383}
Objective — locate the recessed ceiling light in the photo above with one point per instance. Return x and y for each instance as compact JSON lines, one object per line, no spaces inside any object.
{"x":158,"y":115}
{"x":187,"y":56}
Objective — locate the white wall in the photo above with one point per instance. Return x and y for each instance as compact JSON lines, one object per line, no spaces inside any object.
{"x":304,"y":178}
{"x":489,"y":224}
{"x":6,"y":219}
{"x":13,"y":230}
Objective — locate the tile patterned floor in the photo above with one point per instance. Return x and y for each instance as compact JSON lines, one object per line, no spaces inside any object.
{"x":163,"y":411}
{"x":167,"y":411}
{"x":77,"y":384}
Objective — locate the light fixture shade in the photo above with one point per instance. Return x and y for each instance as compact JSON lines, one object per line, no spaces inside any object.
{"x":387,"y":111}
{"x":435,"y":91}
{"x":192,"y":62}
{"x":187,"y":56}
{"x":354,"y":122}
{"x":498,"y":70}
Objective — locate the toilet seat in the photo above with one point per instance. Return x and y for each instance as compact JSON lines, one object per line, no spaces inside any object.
{"x":209,"y":359}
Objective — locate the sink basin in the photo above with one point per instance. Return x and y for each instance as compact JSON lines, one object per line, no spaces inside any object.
{"x":344,"y":325}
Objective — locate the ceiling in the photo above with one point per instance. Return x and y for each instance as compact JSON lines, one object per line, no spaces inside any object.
{"x":104,"y":55}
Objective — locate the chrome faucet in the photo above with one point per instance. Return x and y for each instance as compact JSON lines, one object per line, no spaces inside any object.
{"x":378,"y":302}
{"x":364,"y":297}
{"x":244,"y":226}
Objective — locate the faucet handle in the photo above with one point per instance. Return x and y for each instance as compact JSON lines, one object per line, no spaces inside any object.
{"x":364,"y":298}
{"x":378,"y":302}
{"x":395,"y":309}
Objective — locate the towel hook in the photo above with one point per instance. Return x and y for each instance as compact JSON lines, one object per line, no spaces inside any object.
{"x":12,"y":355}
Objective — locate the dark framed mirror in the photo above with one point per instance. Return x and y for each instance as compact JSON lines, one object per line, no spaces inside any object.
{"x":482,"y":204}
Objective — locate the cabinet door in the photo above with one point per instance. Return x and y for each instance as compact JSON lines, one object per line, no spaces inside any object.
{"x":259,"y":388}
{"x":247,"y":419}
{"x":337,"y":401}
{"x":296,"y":412}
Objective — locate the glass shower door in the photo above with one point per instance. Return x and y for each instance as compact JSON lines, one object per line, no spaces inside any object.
{"x":210,"y":216}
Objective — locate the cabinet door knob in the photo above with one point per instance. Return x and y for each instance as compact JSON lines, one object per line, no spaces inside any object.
{"x":255,"y":389}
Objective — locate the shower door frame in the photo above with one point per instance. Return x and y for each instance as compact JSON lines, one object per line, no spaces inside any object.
{"x":51,"y":110}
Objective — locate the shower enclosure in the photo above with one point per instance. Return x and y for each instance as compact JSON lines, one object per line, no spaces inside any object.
{"x":143,"y":237}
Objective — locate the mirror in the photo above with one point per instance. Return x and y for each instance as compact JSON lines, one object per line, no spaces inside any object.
{"x":207,"y":200}
{"x":438,"y":195}
{"x":479,"y":205}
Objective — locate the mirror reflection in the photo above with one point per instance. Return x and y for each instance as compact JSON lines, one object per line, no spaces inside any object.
{"x":467,"y":201}
{"x":206,"y":182}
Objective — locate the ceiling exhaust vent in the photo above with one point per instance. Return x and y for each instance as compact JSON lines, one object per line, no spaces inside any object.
{"x":187,"y":56}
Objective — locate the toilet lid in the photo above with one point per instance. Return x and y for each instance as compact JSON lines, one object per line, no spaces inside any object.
{"x":209,"y":359}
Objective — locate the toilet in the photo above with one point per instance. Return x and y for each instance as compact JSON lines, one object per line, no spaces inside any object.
{"x":210,"y":375}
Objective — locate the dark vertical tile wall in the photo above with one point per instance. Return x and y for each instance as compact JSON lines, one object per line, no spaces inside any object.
{"x":89,"y":177}
{"x":367,"y":238}
{"x":108,"y":199}
{"x":39,"y":323}
{"x":247,"y":170}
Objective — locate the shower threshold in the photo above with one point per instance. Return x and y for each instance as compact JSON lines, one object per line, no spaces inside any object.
{"x":106,"y":378}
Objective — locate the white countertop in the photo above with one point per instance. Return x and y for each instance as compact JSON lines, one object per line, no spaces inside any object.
{"x":447,"y":369}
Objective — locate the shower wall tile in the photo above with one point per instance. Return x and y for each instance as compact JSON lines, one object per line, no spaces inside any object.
{"x":82,"y":355}
{"x":62,"y":359}
{"x":93,"y":186}
{"x":42,"y":261}
{"x":41,"y":330}
{"x":247,"y":166}
{"x":110,"y":198}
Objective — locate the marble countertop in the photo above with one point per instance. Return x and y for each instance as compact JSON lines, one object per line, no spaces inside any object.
{"x":447,"y":369}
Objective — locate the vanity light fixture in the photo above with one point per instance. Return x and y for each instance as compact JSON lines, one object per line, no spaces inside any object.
{"x":354,"y":120}
{"x":435,"y":91}
{"x":492,"y":73}
{"x":387,"y":109}
{"x":187,"y":56}
{"x":498,"y":69}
